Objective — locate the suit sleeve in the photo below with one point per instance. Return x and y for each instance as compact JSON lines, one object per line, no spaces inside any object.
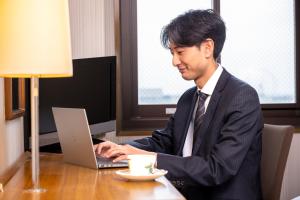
{"x":242,"y":124}
{"x":161,"y":140}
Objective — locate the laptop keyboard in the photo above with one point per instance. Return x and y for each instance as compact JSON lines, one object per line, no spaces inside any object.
{"x":107,"y":163}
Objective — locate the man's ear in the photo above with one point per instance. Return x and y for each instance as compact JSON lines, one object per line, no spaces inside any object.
{"x":208,"y":46}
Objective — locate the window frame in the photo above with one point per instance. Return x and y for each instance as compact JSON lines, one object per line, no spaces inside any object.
{"x":134,"y":119}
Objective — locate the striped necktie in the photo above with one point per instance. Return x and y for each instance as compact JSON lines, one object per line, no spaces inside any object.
{"x":199,"y":112}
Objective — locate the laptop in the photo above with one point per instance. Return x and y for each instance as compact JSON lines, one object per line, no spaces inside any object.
{"x":76,"y":141}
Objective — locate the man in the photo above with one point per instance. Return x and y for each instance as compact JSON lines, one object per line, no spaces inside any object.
{"x":211,"y":147}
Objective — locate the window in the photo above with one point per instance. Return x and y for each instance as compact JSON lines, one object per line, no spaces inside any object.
{"x":158,"y":81}
{"x":260,"y":49}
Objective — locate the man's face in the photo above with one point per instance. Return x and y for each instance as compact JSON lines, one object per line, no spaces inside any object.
{"x":191,"y":62}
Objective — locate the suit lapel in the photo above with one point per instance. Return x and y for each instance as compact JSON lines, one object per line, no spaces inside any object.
{"x":187,"y":124}
{"x":210,"y":111}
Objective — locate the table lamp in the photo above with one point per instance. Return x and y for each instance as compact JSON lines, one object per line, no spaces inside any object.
{"x":35,"y":43}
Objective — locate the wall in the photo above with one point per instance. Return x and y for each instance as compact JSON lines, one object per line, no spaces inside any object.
{"x":11,"y":136}
{"x":92,"y":28}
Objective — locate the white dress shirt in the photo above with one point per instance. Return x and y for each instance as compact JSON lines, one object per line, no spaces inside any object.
{"x":207,"y":89}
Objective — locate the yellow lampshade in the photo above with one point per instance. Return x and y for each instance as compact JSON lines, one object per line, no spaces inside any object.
{"x":35,"y":38}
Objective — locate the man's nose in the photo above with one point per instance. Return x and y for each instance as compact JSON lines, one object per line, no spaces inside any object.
{"x":175,"y":60}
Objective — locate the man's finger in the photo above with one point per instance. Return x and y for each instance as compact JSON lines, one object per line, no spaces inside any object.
{"x":121,"y":157}
{"x":102,"y":146}
{"x":95,"y":147}
{"x":114,"y":152}
{"x":99,"y":149}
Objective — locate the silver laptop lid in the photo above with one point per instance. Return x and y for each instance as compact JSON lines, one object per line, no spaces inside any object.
{"x":74,"y":136}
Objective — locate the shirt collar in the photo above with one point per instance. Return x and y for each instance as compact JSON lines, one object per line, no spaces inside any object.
{"x":210,"y":85}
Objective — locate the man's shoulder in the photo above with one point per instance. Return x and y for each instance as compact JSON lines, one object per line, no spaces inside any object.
{"x":237,"y":90}
{"x":188,"y":94}
{"x":234,"y":84}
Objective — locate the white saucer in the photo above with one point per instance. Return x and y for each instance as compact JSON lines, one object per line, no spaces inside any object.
{"x":125,"y":173}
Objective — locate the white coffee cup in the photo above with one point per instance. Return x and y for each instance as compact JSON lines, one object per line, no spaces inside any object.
{"x":141,"y":164}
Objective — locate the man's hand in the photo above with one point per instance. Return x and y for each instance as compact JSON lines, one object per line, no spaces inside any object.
{"x":102,"y":148}
{"x":118,"y":152}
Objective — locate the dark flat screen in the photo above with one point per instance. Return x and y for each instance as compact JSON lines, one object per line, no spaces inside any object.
{"x":93,"y":87}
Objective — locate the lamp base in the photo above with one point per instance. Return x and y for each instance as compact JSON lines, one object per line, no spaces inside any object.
{"x":35,"y":147}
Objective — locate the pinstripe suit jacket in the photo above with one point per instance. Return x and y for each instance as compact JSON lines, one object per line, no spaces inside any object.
{"x":225,"y":162}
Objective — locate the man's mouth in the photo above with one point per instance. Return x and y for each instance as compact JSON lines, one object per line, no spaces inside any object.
{"x":181,"y":70}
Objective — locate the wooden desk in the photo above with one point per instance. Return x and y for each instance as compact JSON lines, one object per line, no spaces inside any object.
{"x":66,"y":181}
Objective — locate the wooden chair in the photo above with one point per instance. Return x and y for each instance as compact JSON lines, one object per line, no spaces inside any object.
{"x":276,"y":142}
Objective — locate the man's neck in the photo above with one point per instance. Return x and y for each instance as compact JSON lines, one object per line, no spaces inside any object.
{"x":201,"y":81}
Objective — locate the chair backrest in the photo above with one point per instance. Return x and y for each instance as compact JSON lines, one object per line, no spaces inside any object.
{"x":276,"y":142}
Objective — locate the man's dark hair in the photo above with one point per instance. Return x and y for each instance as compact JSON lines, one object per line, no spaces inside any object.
{"x":193,"y":27}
